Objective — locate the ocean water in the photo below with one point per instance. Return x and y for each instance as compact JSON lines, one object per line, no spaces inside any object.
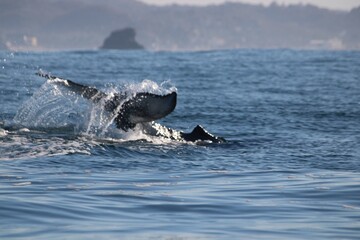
{"x":290,"y":168}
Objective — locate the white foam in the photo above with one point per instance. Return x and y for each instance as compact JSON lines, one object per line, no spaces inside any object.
{"x":3,"y":132}
{"x":24,"y":147}
{"x":151,"y":87}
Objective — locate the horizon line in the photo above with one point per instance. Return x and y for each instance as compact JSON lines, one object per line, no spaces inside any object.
{"x":223,"y":2}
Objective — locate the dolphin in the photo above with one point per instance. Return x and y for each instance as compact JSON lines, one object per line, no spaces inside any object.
{"x":142,"y":108}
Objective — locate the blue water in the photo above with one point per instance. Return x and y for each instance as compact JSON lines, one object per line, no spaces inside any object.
{"x":290,"y":168}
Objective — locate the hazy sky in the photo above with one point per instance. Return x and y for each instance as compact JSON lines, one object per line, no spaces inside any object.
{"x":332,"y":4}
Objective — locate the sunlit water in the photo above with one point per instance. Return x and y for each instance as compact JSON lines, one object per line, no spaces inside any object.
{"x":289,"y":169}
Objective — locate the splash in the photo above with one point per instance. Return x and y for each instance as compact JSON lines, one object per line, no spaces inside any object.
{"x":150,"y":87}
{"x":3,"y":132}
{"x":55,"y":108}
{"x":52,"y":107}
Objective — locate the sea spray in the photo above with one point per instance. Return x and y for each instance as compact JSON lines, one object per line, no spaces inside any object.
{"x":54,"y":106}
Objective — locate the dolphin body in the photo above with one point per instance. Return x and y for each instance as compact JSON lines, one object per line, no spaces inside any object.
{"x":142,"y":108}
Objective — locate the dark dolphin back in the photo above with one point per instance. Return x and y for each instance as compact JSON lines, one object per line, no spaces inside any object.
{"x":200,"y":134}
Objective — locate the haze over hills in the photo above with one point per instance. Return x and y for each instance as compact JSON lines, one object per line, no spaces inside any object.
{"x":81,"y":24}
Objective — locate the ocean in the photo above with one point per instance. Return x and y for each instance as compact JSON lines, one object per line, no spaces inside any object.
{"x":289,"y":169}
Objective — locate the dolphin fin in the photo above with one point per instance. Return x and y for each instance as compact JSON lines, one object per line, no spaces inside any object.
{"x":85,"y":91}
{"x":199,"y":133}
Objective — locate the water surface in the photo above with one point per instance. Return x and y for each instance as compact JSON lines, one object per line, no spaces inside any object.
{"x":289,"y":169}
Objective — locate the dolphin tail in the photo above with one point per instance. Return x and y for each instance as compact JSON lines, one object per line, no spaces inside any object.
{"x":145,"y":107}
{"x":199,"y":133}
{"x":141,"y":108}
{"x":85,"y":91}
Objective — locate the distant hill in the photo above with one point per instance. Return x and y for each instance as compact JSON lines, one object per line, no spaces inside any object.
{"x":84,"y":24}
{"x":123,"y":39}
